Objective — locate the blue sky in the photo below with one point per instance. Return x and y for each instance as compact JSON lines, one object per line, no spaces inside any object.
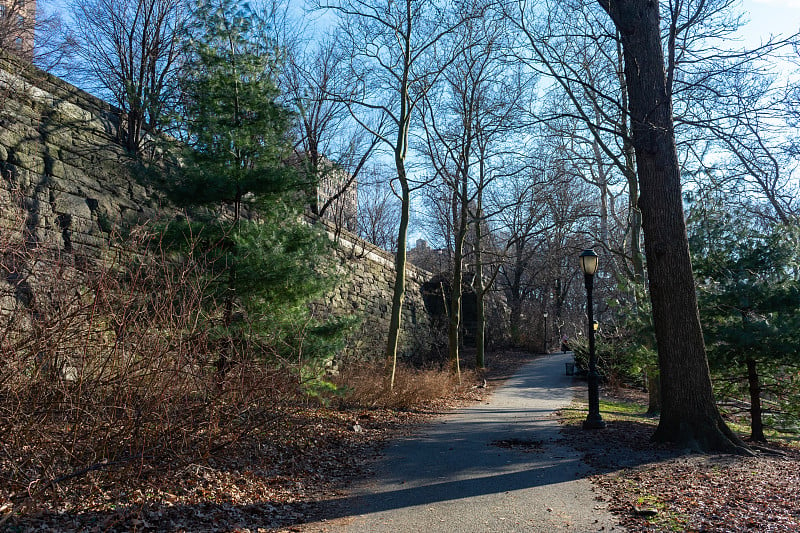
{"x":771,"y":16}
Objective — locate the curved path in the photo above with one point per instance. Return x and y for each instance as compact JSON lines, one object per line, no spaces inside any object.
{"x":493,"y":467}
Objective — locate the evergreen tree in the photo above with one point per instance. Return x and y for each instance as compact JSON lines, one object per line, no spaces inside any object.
{"x":238,"y":133}
{"x":267,"y":264}
{"x":748,"y":293}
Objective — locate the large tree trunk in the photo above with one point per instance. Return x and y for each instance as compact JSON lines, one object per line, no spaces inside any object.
{"x":653,"y":392}
{"x":689,"y":415}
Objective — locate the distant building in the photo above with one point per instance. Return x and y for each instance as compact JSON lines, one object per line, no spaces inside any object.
{"x":337,"y":196}
{"x":17,"y":23}
{"x":427,"y":258}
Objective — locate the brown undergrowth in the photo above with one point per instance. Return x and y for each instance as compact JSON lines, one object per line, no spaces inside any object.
{"x":264,"y":481}
{"x":115,"y":414}
{"x":364,"y":385}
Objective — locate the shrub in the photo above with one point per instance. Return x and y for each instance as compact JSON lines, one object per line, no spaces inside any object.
{"x":113,"y":364}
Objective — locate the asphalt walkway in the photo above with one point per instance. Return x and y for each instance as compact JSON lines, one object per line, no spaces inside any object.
{"x":500,"y":466}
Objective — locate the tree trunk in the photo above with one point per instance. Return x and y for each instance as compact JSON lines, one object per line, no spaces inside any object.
{"x":756,"y":423}
{"x":653,"y":392}
{"x":634,"y":215}
{"x":400,"y":152}
{"x":454,"y":324}
{"x":689,"y":415}
{"x":515,"y":302}
{"x":399,"y":285}
{"x":480,"y":331}
{"x":480,"y":291}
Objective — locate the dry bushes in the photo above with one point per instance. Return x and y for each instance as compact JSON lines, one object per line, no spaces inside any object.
{"x":364,"y":385}
{"x":110,"y":363}
{"x":109,"y":368}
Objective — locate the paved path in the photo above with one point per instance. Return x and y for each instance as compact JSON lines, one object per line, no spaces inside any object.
{"x":495,"y":467}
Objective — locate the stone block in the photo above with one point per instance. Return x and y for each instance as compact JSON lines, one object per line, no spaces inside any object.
{"x":76,"y":206}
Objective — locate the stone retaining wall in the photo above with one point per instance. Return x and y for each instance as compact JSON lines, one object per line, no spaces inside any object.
{"x":63,"y":169}
{"x":367,"y":293}
{"x":67,"y":182}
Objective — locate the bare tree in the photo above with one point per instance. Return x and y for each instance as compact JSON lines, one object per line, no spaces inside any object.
{"x":482,"y":100}
{"x":130,"y":53}
{"x":17,"y":27}
{"x":791,"y":99}
{"x":748,"y":158}
{"x":722,"y":99}
{"x":449,"y":149}
{"x":378,"y":210}
{"x":522,"y":223}
{"x":689,"y":414}
{"x":396,"y":53}
{"x":573,"y":43}
{"x":331,"y":147}
{"x":549,"y":217}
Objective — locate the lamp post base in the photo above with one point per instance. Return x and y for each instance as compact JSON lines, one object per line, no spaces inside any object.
{"x":594,"y":423}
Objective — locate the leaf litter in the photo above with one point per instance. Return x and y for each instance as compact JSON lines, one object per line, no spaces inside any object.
{"x":273,"y":481}
{"x":658,"y":488}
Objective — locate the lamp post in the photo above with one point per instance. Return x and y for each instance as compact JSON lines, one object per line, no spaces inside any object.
{"x":545,"y":331}
{"x":589,"y":263}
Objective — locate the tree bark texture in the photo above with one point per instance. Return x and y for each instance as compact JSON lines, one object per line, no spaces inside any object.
{"x":399,"y":290}
{"x":653,"y":392}
{"x":454,"y":323}
{"x":460,"y":222}
{"x":689,"y":415}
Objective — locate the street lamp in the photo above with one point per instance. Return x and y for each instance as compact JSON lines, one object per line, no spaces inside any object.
{"x":545,"y":331}
{"x":589,"y":262}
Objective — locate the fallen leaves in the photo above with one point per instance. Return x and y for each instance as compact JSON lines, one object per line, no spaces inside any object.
{"x":266,"y":482}
{"x":656,"y":488}
{"x":525,"y":445}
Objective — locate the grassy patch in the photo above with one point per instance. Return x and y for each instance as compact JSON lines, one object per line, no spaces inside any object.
{"x":623,"y":409}
{"x":662,"y":517}
{"x":742,"y":427}
{"x":615,"y":409}
{"x":610,"y":410}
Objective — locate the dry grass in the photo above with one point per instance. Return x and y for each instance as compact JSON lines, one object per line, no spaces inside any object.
{"x":365,"y":385}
